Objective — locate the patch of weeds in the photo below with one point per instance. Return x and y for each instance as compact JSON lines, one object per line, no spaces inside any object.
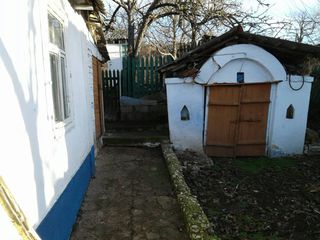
{"x":246,"y":219}
{"x":242,"y":204}
{"x":257,"y":236}
{"x":213,"y":211}
{"x":217,"y":167}
{"x":256,"y":165}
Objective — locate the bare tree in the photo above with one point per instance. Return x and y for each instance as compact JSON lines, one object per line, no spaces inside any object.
{"x":140,"y":15}
{"x":166,"y":23}
{"x":205,"y":18}
{"x":305,"y":26}
{"x":197,"y":14}
{"x":166,"y":36}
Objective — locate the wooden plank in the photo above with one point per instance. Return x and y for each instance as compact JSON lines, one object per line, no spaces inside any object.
{"x":228,"y":95}
{"x":237,"y":120}
{"x":157,"y":82}
{"x":152,"y":86}
{"x":222,"y":121}
{"x":133,"y":79}
{"x":136,"y":76}
{"x":253,"y":120}
{"x":219,"y":151}
{"x":14,"y":212}
{"x":147,"y":71}
{"x":223,"y":104}
{"x":239,"y":84}
{"x":142,"y":80}
{"x":96,"y":97}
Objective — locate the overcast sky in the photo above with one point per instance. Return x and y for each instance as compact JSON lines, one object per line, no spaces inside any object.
{"x":282,"y":8}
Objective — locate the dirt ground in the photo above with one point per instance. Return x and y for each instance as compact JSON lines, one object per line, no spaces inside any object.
{"x":257,"y":198}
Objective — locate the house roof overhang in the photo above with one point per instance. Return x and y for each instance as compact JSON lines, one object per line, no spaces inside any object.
{"x":91,"y":11}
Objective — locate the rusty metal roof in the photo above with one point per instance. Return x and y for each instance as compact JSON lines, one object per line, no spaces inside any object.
{"x":295,"y":57}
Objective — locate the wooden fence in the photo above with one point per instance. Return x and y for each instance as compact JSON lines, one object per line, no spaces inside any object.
{"x":138,"y":78}
{"x":140,"y":75}
{"x":111,"y":94}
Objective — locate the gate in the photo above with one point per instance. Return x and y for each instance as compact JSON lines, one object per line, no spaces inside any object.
{"x":111,"y":95}
{"x":237,"y":119}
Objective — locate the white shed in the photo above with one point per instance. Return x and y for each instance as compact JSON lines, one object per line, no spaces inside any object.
{"x":241,"y":94}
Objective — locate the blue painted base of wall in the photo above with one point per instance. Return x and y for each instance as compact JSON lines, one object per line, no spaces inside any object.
{"x":58,"y":223}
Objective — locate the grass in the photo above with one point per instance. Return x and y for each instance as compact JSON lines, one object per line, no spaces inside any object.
{"x":256,"y":165}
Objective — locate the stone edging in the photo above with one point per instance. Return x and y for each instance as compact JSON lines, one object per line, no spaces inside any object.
{"x":197,"y":223}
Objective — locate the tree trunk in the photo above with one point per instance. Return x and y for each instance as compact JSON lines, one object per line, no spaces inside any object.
{"x":193,"y":37}
{"x":130,"y":35}
{"x":174,"y":38}
{"x":142,"y":30}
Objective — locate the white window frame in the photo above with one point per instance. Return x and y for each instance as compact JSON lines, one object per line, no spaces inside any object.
{"x":66,"y":98}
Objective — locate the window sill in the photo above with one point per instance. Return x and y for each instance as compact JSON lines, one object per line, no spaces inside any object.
{"x":61,"y":128}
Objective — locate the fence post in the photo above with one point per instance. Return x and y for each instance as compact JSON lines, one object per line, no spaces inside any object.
{"x":147,"y":82}
{"x":156,"y":78}
{"x":152,"y":80}
{"x":142,"y":79}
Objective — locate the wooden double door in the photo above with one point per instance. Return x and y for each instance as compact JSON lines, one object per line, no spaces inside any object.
{"x":237,"y":119}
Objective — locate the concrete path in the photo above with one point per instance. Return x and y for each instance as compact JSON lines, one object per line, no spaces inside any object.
{"x":130,"y":198}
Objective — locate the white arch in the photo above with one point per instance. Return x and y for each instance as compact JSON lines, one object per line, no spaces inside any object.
{"x":247,"y":53}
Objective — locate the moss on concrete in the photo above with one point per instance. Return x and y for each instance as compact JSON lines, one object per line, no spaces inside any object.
{"x":197,"y":223}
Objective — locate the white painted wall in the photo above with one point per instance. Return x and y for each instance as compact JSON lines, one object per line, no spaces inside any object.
{"x":39,"y":158}
{"x":115,"y":62}
{"x":284,"y":136}
{"x":185,"y":134}
{"x":287,"y":135}
{"x":257,"y":64}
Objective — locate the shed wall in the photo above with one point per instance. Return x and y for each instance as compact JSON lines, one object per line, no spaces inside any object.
{"x":185,"y":134}
{"x":287,"y":135}
{"x":284,"y":136}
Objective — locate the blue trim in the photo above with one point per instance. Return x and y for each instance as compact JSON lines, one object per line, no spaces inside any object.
{"x":93,"y":163}
{"x":58,"y":223}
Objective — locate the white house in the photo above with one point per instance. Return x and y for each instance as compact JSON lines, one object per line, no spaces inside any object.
{"x":49,"y":63}
{"x":241,"y":94}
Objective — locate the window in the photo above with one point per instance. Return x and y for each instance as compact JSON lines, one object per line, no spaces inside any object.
{"x":57,"y":57}
{"x":185,"y":115}
{"x":290,"y":112}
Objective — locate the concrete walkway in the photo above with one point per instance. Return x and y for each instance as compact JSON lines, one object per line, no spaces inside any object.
{"x":130,"y":198}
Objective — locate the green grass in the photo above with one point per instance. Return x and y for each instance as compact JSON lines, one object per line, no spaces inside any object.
{"x":256,"y":165}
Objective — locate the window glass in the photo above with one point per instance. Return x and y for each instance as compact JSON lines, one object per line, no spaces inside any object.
{"x":66,"y":109}
{"x":56,"y":32}
{"x":55,"y":87}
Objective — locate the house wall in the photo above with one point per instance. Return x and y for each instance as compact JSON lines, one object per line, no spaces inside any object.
{"x":47,"y":167}
{"x":183,"y":92}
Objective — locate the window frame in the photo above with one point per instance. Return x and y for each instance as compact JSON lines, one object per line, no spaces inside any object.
{"x":62,"y":77}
